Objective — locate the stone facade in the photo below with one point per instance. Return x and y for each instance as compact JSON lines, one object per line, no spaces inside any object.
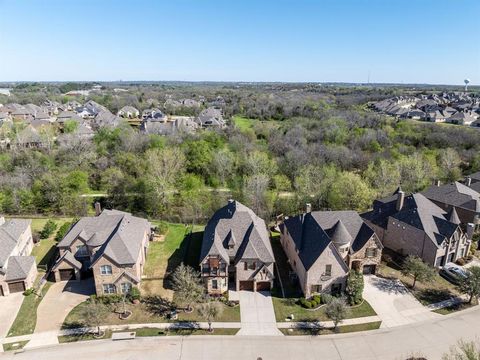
{"x":369,"y":255}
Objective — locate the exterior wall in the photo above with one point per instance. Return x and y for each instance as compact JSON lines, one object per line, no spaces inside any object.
{"x":245,"y":275}
{"x":361,"y":255}
{"x":221,"y":276}
{"x":24,"y":245}
{"x":108,"y":279}
{"x":65,"y":266}
{"x":316,"y":273}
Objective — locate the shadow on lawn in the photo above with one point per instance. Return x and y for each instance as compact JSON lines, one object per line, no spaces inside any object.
{"x":431,"y":296}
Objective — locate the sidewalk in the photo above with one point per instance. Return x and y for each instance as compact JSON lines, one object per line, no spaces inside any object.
{"x":327,"y":324}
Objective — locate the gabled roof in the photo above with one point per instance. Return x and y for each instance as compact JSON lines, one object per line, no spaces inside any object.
{"x":453,"y":216}
{"x":70,"y":259}
{"x":250,"y":236}
{"x":10,"y":233}
{"x":455,"y":194}
{"x":118,"y":235}
{"x":313,"y":232}
{"x":19,"y":267}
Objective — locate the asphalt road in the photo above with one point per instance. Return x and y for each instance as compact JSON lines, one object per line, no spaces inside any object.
{"x":430,"y":338}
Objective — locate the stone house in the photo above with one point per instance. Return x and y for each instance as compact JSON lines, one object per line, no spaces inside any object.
{"x":236,"y":251}
{"x":111,"y":247}
{"x":322,"y":246}
{"x":414,"y":225}
{"x":18,"y":270}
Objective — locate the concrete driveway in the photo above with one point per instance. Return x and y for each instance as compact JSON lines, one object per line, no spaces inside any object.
{"x":59,"y":300}
{"x":9,"y":306}
{"x":393,"y":303}
{"x":257,"y":314}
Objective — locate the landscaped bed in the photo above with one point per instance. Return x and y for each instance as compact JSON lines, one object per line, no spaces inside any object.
{"x":284,"y":307}
{"x":341,"y":329}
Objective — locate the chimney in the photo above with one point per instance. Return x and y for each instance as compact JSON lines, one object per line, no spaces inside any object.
{"x":2,"y":220}
{"x":400,"y":200}
{"x":468,"y":181}
{"x":470,"y":230}
{"x":308,"y":208}
{"x":98,"y":208}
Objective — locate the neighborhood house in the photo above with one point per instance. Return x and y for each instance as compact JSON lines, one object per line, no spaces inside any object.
{"x":111,"y":246}
{"x":236,"y":251}
{"x":18,"y":270}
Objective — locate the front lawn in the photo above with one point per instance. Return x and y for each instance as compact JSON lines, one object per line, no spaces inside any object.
{"x":27,"y":315}
{"x":454,"y":308}
{"x":341,"y":329}
{"x":83,"y":337}
{"x":15,"y":346}
{"x":145,"y":313}
{"x":284,"y":307}
{"x":427,"y":293}
{"x":164,"y":256}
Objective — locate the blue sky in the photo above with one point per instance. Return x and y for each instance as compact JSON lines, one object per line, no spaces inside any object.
{"x":402,"y":41}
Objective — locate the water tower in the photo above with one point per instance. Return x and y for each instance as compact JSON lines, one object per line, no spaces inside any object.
{"x":466,"y":81}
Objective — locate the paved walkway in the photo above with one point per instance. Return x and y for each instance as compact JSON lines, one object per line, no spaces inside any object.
{"x":9,"y":306}
{"x":393,"y":303}
{"x":60,"y":299}
{"x":257,"y":314}
{"x":430,"y":338}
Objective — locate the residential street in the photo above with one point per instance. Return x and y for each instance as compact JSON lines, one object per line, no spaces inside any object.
{"x":430,"y":338}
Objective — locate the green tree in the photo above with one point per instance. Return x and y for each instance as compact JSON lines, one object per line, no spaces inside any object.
{"x":187,"y":285}
{"x":210,"y":311}
{"x":336,"y":311}
{"x":471,"y":284}
{"x":354,"y":289}
{"x":70,"y":126}
{"x":349,"y":191}
{"x":62,"y":230}
{"x":48,"y":229}
{"x":414,"y":266}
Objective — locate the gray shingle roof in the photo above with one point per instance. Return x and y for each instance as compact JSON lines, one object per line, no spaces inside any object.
{"x":313,"y":232}
{"x":455,"y":194}
{"x":250,"y":235}
{"x":69,"y":258}
{"x":118,"y":234}
{"x":19,"y":267}
{"x":10,"y":233}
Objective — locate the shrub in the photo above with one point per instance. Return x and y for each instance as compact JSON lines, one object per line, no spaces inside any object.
{"x":109,"y":299}
{"x":48,"y":229}
{"x":303,"y":302}
{"x":460,"y":261}
{"x":162,"y":228}
{"x":327,"y":298}
{"x":134,"y":294}
{"x":354,"y":289}
{"x":28,"y":292}
{"x":62,"y":231}
{"x":317,"y":299}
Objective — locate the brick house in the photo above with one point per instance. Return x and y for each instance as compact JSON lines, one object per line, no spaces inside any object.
{"x":111,"y":246}
{"x":322,"y":246}
{"x":236,"y":249}
{"x":18,"y":270}
{"x":414,"y":225}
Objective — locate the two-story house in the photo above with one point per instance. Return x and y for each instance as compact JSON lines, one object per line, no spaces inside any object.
{"x":112,"y":246}
{"x":414,"y":225}
{"x":18,"y":270}
{"x":236,"y":250}
{"x":322,"y":246}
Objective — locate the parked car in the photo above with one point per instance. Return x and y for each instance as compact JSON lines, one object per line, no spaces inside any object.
{"x":453,"y":273}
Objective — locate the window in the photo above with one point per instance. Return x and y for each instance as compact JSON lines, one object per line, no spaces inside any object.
{"x":371,"y":252}
{"x":205,"y":268}
{"x":253,"y":265}
{"x":315,"y":289}
{"x":328,"y":270}
{"x":215,"y":284}
{"x":223,"y":267}
{"x":82,"y":250}
{"x":106,"y":270}
{"x":126,"y":287}
{"x":245,"y":266}
{"x":109,"y":289}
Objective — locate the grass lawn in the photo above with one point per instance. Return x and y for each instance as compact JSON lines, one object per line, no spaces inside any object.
{"x":427,"y":293}
{"x":83,"y":337}
{"x":164,"y":256}
{"x":285,"y":307}
{"x":243,"y":123}
{"x":142,"y":313}
{"x":341,"y":329}
{"x":15,"y":346}
{"x":27,"y":315}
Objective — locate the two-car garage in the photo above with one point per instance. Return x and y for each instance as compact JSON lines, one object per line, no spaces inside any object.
{"x":249,"y":285}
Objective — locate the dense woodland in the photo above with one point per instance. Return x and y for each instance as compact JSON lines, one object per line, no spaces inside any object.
{"x":285,"y":145}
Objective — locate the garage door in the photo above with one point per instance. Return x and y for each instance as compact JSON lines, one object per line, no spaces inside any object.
{"x":66,"y":275}
{"x":263,"y":286}
{"x":246,"y":285}
{"x":369,"y":269}
{"x":16,"y":287}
